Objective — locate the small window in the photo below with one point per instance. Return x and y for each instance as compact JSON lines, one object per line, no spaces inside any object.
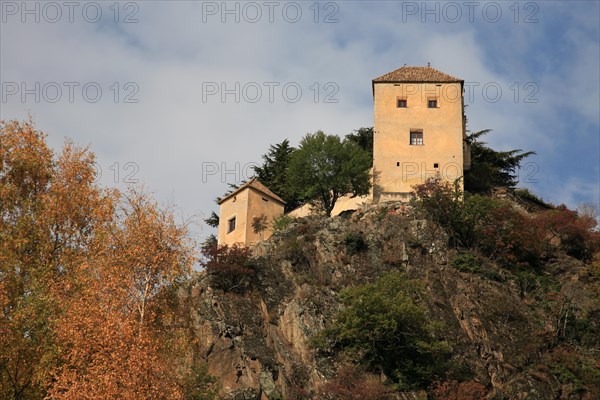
{"x":401,"y":103}
{"x":265,"y":200}
{"x":398,"y":164}
{"x":416,"y":138}
{"x":436,"y":165}
{"x":231,"y":225}
{"x":432,"y":103}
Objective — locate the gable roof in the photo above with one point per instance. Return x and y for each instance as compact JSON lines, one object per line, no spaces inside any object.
{"x":256,"y":185}
{"x":416,"y":74}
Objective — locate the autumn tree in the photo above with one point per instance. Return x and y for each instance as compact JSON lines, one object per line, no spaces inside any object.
{"x":50,"y":211}
{"x":574,"y":232}
{"x":25,"y":170}
{"x":113,"y":340}
{"x":590,"y":211}
{"x":325,"y":168}
{"x":82,"y":272}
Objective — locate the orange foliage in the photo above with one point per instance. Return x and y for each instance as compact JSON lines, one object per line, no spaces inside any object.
{"x":572,"y":231}
{"x":81,"y":273}
{"x":107,"y":353}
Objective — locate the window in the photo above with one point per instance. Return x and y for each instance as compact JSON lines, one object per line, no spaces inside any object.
{"x":265,"y":200}
{"x":231,"y":225}
{"x":436,"y":165}
{"x":416,"y":138}
{"x":402,"y":103}
{"x":432,"y":103}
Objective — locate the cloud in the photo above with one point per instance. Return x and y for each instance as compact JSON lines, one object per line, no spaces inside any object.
{"x":576,"y":191}
{"x":166,"y":60}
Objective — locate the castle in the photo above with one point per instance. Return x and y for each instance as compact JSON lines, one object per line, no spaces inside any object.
{"x":419,"y":132}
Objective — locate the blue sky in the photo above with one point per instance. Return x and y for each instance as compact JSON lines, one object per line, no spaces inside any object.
{"x":162,"y":67}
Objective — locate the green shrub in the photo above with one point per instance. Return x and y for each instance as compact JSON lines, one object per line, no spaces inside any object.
{"x":199,"y":385}
{"x":440,"y":202}
{"x":470,"y":262}
{"x":584,"y":332}
{"x":282,"y":222}
{"x":526,"y":195}
{"x":548,"y":283}
{"x":382,"y":212}
{"x":466,"y":262}
{"x":384,"y":327}
{"x":526,"y":280}
{"x":578,"y":370}
{"x":355,"y":243}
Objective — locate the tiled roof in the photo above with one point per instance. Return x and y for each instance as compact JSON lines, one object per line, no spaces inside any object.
{"x":255,"y":184}
{"x":416,"y":74}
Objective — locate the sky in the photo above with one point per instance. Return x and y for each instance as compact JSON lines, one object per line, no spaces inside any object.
{"x":183,"y":97}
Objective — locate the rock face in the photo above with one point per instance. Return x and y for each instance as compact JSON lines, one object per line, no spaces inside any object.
{"x":257,"y":342}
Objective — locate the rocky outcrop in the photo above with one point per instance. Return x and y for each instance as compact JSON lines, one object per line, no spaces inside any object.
{"x":257,"y":342}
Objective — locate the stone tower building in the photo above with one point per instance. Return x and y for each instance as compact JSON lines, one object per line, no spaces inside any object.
{"x":238,"y":209}
{"x":419,"y":130}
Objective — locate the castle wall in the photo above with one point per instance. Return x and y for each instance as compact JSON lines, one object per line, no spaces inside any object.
{"x":236,"y":206}
{"x":398,"y":165}
{"x":244,"y":206}
{"x":260,"y":204}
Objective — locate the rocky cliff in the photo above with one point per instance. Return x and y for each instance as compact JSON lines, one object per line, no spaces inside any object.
{"x":504,"y":326}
